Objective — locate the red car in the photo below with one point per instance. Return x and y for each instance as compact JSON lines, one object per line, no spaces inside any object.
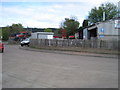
{"x":1,"y":47}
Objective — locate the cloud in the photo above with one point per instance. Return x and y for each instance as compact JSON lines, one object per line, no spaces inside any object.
{"x":43,"y":15}
{"x":43,"y":0}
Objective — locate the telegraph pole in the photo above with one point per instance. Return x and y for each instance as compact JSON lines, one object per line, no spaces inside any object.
{"x":103,"y":16}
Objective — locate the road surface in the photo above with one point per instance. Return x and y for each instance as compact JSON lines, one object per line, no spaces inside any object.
{"x":0,"y":71}
{"x":31,"y":69}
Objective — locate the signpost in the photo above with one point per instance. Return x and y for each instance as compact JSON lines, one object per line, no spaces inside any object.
{"x":101,"y":32}
{"x":101,"y":36}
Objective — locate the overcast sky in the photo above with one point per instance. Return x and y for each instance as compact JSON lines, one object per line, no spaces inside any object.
{"x":46,"y":13}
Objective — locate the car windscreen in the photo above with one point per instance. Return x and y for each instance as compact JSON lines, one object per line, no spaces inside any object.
{"x":27,"y":39}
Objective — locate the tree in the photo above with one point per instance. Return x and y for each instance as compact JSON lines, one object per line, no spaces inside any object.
{"x":71,"y":25}
{"x":48,"y":30}
{"x":96,"y":14}
{"x":5,"y":33}
{"x":15,"y":28}
{"x":8,"y":30}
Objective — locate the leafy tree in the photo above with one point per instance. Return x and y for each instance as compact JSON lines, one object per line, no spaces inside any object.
{"x":71,"y":25}
{"x":5,"y":33}
{"x":48,"y":30}
{"x":8,"y":30}
{"x":96,"y":14}
{"x":15,"y":28}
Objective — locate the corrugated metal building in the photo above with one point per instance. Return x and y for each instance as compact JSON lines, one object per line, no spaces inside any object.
{"x":107,"y":30}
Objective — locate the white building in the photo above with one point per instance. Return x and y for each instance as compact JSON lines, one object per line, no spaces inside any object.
{"x":42,"y":35}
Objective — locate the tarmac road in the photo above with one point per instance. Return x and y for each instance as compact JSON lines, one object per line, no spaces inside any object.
{"x":31,"y":69}
{"x":0,"y":70}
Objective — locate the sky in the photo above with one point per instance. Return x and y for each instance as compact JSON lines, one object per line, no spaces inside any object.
{"x":45,"y":13}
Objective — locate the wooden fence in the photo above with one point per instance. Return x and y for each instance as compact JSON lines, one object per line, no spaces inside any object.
{"x":75,"y":43}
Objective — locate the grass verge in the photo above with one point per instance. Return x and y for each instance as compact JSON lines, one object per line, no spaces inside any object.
{"x":79,"y":49}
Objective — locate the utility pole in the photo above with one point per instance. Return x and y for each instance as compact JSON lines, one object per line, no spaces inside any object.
{"x":119,"y":9}
{"x":103,"y":16}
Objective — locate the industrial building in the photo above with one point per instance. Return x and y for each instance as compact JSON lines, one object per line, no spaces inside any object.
{"x":106,"y":30}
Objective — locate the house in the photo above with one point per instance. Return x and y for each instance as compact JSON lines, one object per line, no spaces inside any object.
{"x":42,"y":35}
{"x":106,"y":30}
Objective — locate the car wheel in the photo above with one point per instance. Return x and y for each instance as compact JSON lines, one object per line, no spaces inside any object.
{"x":21,"y":45}
{"x":2,"y":50}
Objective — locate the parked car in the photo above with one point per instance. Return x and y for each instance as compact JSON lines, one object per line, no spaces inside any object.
{"x":1,"y":47}
{"x":25,"y":42}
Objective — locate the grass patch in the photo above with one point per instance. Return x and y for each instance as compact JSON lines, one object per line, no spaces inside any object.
{"x":78,"y":49}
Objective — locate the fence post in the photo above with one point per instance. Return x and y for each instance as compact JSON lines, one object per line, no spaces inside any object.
{"x":100,"y":43}
{"x":68,"y":42}
{"x":84,"y":43}
{"x":49,"y":42}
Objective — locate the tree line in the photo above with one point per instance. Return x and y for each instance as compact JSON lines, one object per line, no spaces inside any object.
{"x":8,"y":30}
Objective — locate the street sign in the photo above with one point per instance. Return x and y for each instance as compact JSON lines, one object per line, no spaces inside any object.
{"x":101,"y":36}
{"x":102,"y":30}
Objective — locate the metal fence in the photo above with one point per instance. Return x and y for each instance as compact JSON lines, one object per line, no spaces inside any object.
{"x":75,"y":43}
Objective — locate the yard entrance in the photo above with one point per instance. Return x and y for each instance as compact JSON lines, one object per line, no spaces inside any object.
{"x":92,"y":34}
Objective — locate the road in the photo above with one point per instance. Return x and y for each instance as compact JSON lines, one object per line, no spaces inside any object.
{"x":31,"y":69}
{"x":0,"y":70}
